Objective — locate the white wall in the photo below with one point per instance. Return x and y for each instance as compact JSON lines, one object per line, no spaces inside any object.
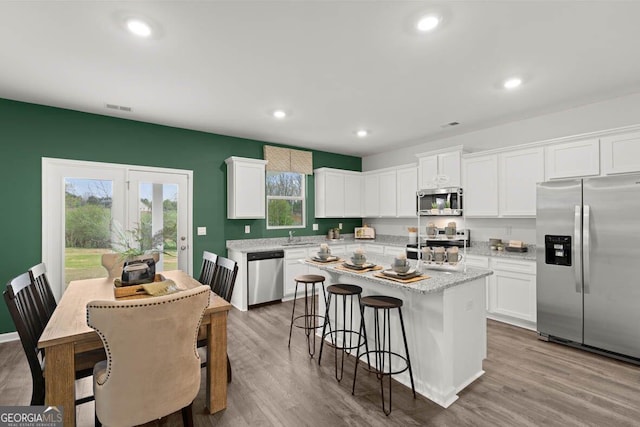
{"x":611,"y":114}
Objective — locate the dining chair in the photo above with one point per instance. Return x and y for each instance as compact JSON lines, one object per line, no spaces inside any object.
{"x":208,"y":268}
{"x":222,"y":283}
{"x":21,"y":298}
{"x":38,"y":276}
{"x":152,"y":367}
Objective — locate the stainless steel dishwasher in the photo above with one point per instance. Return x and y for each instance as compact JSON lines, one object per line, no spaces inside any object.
{"x":265,"y":272}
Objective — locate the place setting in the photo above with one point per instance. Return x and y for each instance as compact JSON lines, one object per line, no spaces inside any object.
{"x":323,"y":256}
{"x":358,"y":263}
{"x":401,"y":271}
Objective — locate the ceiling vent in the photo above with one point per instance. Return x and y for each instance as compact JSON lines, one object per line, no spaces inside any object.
{"x":118,"y":107}
{"x":450,"y":124}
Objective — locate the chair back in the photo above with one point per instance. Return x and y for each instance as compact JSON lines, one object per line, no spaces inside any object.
{"x":224,"y":278}
{"x":38,"y":275}
{"x":152,"y":367}
{"x":21,"y":299}
{"x":208,"y":268}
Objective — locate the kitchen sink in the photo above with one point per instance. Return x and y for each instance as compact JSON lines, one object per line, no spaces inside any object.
{"x":297,"y":243}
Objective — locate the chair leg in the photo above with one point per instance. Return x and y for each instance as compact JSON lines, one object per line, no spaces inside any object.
{"x":187,"y":415}
{"x":97,"y":421}
{"x":228,"y":369}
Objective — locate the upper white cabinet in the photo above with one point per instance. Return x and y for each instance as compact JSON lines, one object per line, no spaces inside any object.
{"x":407,"y":186}
{"x":337,"y":193}
{"x":245,"y":188}
{"x":572,"y":159}
{"x":621,"y":153}
{"x":371,"y":201}
{"x":519,"y":171}
{"x":432,"y":164}
{"x":480,"y":189}
{"x":387,"y":189}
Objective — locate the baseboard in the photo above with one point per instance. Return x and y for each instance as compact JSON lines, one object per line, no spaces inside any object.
{"x":9,"y":336}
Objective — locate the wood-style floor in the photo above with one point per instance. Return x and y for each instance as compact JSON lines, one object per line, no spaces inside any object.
{"x":527,"y":383}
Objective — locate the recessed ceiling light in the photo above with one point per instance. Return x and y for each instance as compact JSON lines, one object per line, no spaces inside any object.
{"x":279,"y":114}
{"x":362,"y":133}
{"x":512,"y":83}
{"x":428,"y":23}
{"x":139,"y":28}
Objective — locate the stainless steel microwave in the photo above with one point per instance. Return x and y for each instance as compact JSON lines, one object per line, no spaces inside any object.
{"x":440,"y":201}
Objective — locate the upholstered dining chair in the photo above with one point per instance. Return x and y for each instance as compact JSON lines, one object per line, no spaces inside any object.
{"x":208,"y":268}
{"x":21,"y":297}
{"x":152,"y":367}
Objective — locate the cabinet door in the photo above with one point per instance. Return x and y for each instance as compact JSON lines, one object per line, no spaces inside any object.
{"x":407,"y":186}
{"x":572,"y":159}
{"x":292,"y":268}
{"x":334,"y":195}
{"x":519,"y":173}
{"x":427,"y":171}
{"x":245,"y":188}
{"x":449,"y":165}
{"x":621,"y":153}
{"x":371,"y":195}
{"x":480,"y":197}
{"x":353,"y":196}
{"x":513,"y":294}
{"x":388,"y":188}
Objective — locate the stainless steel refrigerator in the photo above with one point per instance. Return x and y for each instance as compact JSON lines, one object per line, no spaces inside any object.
{"x":588,"y":263}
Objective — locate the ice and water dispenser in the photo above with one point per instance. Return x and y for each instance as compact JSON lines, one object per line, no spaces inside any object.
{"x":557,"y":250}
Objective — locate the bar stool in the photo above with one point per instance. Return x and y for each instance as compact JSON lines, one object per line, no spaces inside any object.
{"x":382,"y":343}
{"x":310,"y":317}
{"x":346,"y":345}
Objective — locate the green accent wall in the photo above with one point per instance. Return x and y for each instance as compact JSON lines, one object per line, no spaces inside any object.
{"x":29,"y":132}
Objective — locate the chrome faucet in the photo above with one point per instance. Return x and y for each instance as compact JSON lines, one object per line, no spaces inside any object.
{"x":291,"y":235}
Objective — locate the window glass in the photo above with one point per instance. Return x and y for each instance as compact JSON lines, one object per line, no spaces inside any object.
{"x":285,"y":200}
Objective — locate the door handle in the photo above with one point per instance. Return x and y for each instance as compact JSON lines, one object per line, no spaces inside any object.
{"x":576,"y":253}
{"x":586,"y":247}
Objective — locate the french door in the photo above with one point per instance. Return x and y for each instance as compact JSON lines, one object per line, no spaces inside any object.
{"x":87,"y":207}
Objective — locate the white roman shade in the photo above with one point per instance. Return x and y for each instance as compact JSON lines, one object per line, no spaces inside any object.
{"x":288,"y":160}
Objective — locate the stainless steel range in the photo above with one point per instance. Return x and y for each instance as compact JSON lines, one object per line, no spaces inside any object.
{"x":461,"y":239}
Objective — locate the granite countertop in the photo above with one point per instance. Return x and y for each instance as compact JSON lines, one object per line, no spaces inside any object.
{"x":477,"y":248}
{"x":437,"y":281}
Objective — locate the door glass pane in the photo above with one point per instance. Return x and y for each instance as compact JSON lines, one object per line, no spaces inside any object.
{"x":158,"y":214}
{"x":88,"y":204}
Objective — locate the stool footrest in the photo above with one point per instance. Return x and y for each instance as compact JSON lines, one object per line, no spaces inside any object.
{"x":331,"y":334}
{"x":384,"y":352}
{"x":305,"y":317}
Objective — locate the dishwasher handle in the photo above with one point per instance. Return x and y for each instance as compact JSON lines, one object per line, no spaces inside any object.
{"x":257,"y":256}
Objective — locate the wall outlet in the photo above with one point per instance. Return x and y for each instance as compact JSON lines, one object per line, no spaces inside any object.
{"x":247,"y":229}
{"x":202,"y":231}
{"x":340,"y":226}
{"x":315,"y":227}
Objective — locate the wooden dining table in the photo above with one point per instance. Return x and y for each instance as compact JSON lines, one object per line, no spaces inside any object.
{"x":67,"y":334}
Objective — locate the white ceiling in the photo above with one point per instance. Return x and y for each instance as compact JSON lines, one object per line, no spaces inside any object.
{"x":335,"y":66}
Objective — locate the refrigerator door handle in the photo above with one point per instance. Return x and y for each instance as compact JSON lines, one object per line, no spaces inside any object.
{"x":586,"y":246}
{"x":575,"y":249}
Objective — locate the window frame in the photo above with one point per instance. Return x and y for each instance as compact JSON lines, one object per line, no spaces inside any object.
{"x":302,"y":198}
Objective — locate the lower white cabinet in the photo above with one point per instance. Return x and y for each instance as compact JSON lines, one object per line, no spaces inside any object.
{"x":292,"y":268}
{"x":512,"y":292}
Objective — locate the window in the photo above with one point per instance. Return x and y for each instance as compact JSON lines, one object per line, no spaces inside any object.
{"x":285,"y":200}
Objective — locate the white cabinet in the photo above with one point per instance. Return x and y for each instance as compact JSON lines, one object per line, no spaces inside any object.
{"x":245,"y":188}
{"x":374,"y":249}
{"x":572,"y":159}
{"x":480,"y":262}
{"x":371,"y":202}
{"x":394,"y":250}
{"x":512,"y":292}
{"x":519,"y":172}
{"x":387,"y":191}
{"x":337,"y":193}
{"x":431,"y":165}
{"x":480,"y":197}
{"x":292,"y":268}
{"x":621,"y":153}
{"x":407,"y":186}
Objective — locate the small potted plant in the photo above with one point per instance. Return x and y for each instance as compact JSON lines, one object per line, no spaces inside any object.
{"x":447,"y":207}
{"x":434,"y":208}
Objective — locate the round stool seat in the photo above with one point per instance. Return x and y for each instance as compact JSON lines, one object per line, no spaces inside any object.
{"x":381,"y":301}
{"x":343,"y":289}
{"x":309,"y":278}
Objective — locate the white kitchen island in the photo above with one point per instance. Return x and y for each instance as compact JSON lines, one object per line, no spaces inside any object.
{"x":445,"y":322}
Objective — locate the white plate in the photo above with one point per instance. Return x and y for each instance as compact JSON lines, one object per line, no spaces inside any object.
{"x":358,"y":267}
{"x":411,"y":273}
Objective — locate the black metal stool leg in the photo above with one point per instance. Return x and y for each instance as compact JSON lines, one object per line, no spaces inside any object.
{"x":293,"y":312}
{"x":406,"y":349}
{"x":324,"y":327}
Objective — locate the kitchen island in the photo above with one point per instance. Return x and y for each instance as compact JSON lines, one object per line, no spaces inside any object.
{"x":445,"y":322}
